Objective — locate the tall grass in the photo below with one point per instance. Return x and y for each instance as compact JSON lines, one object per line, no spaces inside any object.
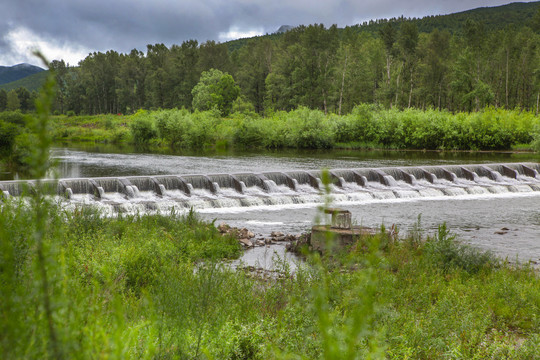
{"x":155,"y":287}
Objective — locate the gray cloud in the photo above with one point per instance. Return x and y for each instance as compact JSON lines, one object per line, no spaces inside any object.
{"x":100,"y":25}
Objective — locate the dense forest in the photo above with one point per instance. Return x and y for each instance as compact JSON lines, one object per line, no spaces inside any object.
{"x":458,"y":62}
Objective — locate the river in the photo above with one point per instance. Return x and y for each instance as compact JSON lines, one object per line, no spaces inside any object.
{"x":476,"y":211}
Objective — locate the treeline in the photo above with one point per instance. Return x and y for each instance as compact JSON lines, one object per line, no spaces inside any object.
{"x":320,"y":68}
{"x":17,"y":99}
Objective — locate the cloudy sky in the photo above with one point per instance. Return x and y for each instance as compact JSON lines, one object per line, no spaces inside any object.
{"x":71,"y":29}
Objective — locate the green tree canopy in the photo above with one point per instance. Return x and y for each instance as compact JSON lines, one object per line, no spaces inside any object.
{"x":3,"y":99}
{"x":215,"y":89}
{"x":13,"y":102}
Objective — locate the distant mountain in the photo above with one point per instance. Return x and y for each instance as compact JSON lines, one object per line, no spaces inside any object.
{"x":13,"y":73}
{"x":31,"y":83}
{"x":517,"y":14}
{"x":284,"y":28}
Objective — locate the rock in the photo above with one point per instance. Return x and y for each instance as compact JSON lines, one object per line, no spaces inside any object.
{"x":303,"y":240}
{"x":275,"y":234}
{"x":223,"y":228}
{"x":245,"y":242}
{"x":245,"y":233}
{"x":500,"y":232}
{"x":260,"y":243}
{"x":505,"y":229}
{"x":279,"y":238}
{"x":290,"y":237}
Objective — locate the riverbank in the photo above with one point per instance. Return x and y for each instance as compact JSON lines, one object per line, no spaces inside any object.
{"x":366,"y":127}
{"x":155,"y":286}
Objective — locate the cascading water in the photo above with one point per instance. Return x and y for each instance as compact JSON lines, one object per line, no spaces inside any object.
{"x":145,"y":193}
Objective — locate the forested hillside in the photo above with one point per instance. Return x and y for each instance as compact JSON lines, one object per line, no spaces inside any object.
{"x":459,"y":62}
{"x":31,"y":83}
{"x":13,"y":73}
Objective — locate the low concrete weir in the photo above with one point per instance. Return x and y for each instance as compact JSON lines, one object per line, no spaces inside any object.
{"x":292,"y":187}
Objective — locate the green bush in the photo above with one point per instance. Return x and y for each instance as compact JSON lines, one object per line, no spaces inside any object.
{"x":251,"y":133}
{"x":489,"y":129}
{"x":143,"y":130}
{"x":8,"y":133}
{"x":14,"y":117}
{"x":446,"y":254}
{"x":308,"y":129}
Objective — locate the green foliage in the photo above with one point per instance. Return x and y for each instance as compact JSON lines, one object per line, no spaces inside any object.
{"x":215,"y":89}
{"x":182,"y":129}
{"x":491,"y":129}
{"x":143,"y":130}
{"x":366,"y":125}
{"x":8,"y":133}
{"x":308,"y":129}
{"x":13,"y":102}
{"x":446,"y":254}
{"x":105,"y":265}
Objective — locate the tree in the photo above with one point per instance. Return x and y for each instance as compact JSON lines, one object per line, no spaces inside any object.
{"x":388,"y":36}
{"x":213,"y":55}
{"x":61,"y":70}
{"x":215,"y":89}
{"x":131,"y":81}
{"x":408,"y":42}
{"x":13,"y":102}
{"x":435,"y":67}
{"x":183,"y":72}
{"x":25,"y":102}
{"x":98,"y":76}
{"x":157,"y":86}
{"x":254,"y":63}
{"x":3,"y":99}
{"x":475,"y":36}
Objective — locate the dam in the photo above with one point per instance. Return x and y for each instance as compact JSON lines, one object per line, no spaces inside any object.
{"x":267,"y":189}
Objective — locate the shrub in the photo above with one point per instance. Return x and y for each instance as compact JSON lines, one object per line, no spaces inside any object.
{"x":174,"y":127}
{"x":309,"y":129}
{"x":251,"y":133}
{"x":143,"y":130}
{"x":13,"y":117}
{"x":8,"y":133}
{"x":446,"y":254}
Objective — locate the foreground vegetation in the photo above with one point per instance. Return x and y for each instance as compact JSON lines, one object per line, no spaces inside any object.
{"x":155,"y":287}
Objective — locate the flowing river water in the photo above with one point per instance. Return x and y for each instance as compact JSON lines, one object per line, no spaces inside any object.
{"x":490,"y":206}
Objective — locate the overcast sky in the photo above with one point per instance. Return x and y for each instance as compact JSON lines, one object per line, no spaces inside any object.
{"x":71,"y":29}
